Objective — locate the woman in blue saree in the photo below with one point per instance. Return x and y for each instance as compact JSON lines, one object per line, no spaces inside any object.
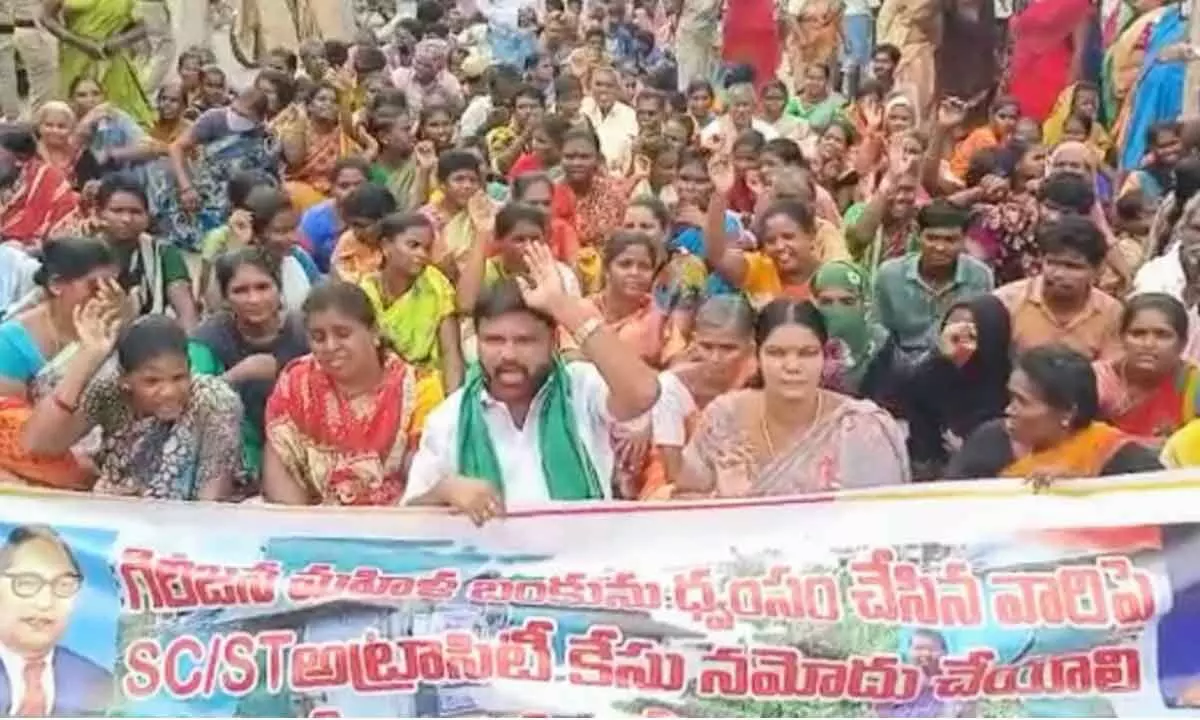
{"x":189,"y":189}
{"x":1158,"y":93}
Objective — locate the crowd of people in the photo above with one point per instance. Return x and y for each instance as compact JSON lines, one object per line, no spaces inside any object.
{"x":606,"y":252}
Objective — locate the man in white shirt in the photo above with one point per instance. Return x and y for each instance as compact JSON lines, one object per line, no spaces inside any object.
{"x":526,"y":429}
{"x":1177,"y":273}
{"x":40,"y":582}
{"x":615,"y":122}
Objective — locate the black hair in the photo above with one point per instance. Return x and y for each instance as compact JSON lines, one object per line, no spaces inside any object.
{"x":693,"y":156}
{"x":530,"y":92}
{"x":743,"y":74}
{"x":353,"y":162}
{"x":349,"y":300}
{"x":788,"y":152}
{"x":785,"y":311}
{"x":400,"y":223}
{"x":1064,"y":380}
{"x":1068,"y":191}
{"x":502,"y":298}
{"x":1170,"y":307}
{"x":20,"y":139}
{"x":656,"y":207}
{"x":148,"y":338}
{"x":622,"y":240}
{"x":370,"y":202}
{"x":890,"y":50}
{"x":285,"y":85}
{"x":264,"y":204}
{"x":555,"y":128}
{"x":337,"y":52}
{"x":776,"y":85}
{"x":242,"y":183}
{"x":389,"y":98}
{"x":369,"y":59}
{"x":751,"y":139}
{"x":567,"y":84}
{"x":942,"y":214}
{"x":120,"y":183}
{"x":583,"y":133}
{"x":1129,"y":206}
{"x":1085,"y":121}
{"x":213,"y":69}
{"x":227,"y":264}
{"x":452,"y":161}
{"x":983,"y":162}
{"x":71,"y":258}
{"x":523,"y":182}
{"x":24,"y":534}
{"x":317,"y":88}
{"x":1075,"y":233}
{"x":696,"y":86}
{"x":799,"y":212}
{"x":518,"y":212}
{"x":594,"y":32}
{"x":289,"y":58}
{"x":88,"y":77}
{"x":1187,"y":181}
{"x":654,"y":95}
{"x":1166,"y":127}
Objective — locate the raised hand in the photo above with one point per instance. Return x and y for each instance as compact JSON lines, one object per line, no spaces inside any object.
{"x":482,"y":211}
{"x":425,"y":155}
{"x":241,"y":227}
{"x":951,"y":113}
{"x":97,"y":325}
{"x":543,"y":287}
{"x":720,"y":169}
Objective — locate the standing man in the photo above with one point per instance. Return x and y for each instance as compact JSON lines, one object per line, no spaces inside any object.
{"x":21,"y":33}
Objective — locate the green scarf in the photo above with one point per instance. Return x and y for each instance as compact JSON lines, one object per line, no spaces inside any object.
{"x":847,"y":324}
{"x":565,"y":463}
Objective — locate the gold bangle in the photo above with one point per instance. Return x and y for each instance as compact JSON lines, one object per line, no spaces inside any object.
{"x":585,"y":331}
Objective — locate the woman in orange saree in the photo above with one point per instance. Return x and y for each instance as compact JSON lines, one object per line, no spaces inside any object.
{"x":35,"y":343}
{"x":718,"y":359}
{"x":312,"y":148}
{"x":1051,"y":428}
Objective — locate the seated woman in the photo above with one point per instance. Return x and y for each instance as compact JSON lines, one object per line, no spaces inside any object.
{"x":859,"y":352}
{"x":312,"y":148}
{"x":1001,"y":120}
{"x":152,"y":271}
{"x":273,"y":222}
{"x":1150,"y":391}
{"x":169,"y":123}
{"x":190,"y":192}
{"x":679,"y":280}
{"x":537,"y":189}
{"x":248,"y":340}
{"x":34,"y":346}
{"x":415,"y":305}
{"x":1051,"y":427}
{"x":356,"y":253}
{"x":55,"y":124}
{"x":826,"y":441}
{"x":959,"y":386}
{"x":719,"y":360}
{"x":166,"y":434}
{"x":626,"y":303}
{"x":115,"y":138}
{"x":321,"y":224}
{"x":40,"y":200}
{"x":342,"y":423}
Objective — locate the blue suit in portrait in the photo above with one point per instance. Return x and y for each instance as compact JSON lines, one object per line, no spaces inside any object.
{"x":81,"y":687}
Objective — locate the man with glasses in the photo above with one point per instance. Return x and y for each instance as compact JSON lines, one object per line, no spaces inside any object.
{"x":40,"y":582}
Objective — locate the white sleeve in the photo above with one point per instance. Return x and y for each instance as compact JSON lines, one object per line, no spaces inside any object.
{"x":589,"y":388}
{"x":435,"y":458}
{"x":670,"y":413}
{"x":570,"y":281}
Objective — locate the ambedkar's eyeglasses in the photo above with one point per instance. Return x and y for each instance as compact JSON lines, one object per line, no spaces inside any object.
{"x":27,"y":584}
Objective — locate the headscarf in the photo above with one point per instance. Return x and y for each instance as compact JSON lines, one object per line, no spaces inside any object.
{"x":848,"y":326}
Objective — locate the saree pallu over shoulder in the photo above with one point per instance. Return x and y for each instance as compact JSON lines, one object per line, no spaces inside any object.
{"x":1084,"y":454}
{"x":411,"y":322}
{"x":1158,"y":93}
{"x":99,"y":20}
{"x":348,"y":451}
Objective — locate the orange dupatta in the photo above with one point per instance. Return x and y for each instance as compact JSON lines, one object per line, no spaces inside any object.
{"x":1084,"y":454}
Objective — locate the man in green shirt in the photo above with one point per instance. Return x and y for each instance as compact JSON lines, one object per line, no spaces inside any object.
{"x":913,"y":293}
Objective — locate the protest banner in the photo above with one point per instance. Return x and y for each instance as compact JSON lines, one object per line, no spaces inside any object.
{"x":977,"y":599}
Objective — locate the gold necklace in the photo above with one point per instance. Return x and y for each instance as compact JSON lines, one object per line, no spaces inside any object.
{"x":766,"y":431}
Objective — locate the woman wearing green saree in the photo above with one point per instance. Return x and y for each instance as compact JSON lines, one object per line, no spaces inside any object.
{"x":97,"y":37}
